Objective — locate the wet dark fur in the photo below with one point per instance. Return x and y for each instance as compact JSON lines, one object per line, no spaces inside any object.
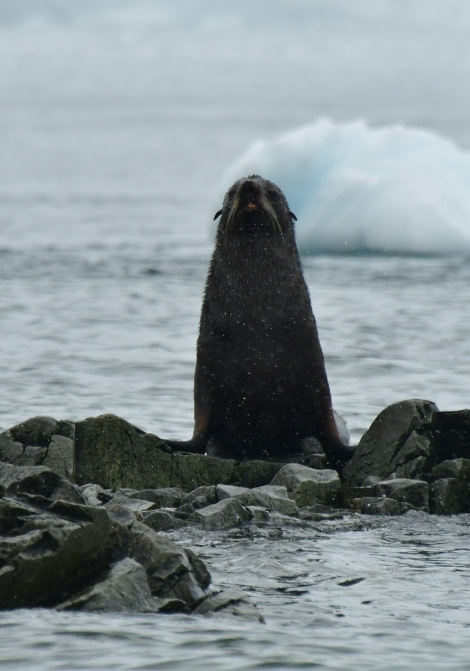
{"x":260,"y":382}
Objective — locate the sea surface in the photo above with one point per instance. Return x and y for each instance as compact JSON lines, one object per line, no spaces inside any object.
{"x":122,"y":125}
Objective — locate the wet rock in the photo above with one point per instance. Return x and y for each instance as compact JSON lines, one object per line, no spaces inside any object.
{"x":254,"y":473}
{"x":449,"y":434}
{"x":36,"y":480}
{"x":370,"y":505}
{"x":46,"y":553}
{"x":449,"y":490}
{"x":10,"y":450}
{"x":168,"y":566}
{"x":225,"y":514}
{"x":449,"y":496}
{"x":124,"y":588}
{"x":414,"y":492}
{"x":111,"y":452}
{"x":453,"y":468}
{"x":271,"y":497}
{"x":396,"y":444}
{"x":35,"y":431}
{"x":96,"y":495}
{"x":229,"y":603}
{"x":167,"y":497}
{"x":40,"y":441}
{"x":59,"y":456}
{"x":194,"y":470}
{"x":259,"y":514}
{"x":137,"y":506}
{"x":161,"y":520}
{"x":308,"y":486}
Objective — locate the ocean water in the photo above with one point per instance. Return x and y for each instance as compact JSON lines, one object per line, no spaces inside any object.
{"x":122,"y":124}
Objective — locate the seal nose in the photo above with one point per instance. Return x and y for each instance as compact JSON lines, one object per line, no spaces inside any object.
{"x":249,"y":189}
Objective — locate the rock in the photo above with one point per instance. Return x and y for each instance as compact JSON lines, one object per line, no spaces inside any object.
{"x":112,"y":453}
{"x":124,"y":588}
{"x":36,"y":480}
{"x":170,"y":569}
{"x":453,"y":468}
{"x":166,"y":497}
{"x":308,"y":486}
{"x":96,"y":495}
{"x":137,"y":506}
{"x":450,"y":435}
{"x":230,"y":491}
{"x":379,"y":506}
{"x":396,"y":443}
{"x":194,"y":470}
{"x":36,"y":431}
{"x":254,"y":473}
{"x":414,"y":492}
{"x":59,"y":456}
{"x":161,"y":520}
{"x":40,"y":441}
{"x":46,"y":553}
{"x":449,"y":496}
{"x":271,"y":497}
{"x":225,"y":514}
{"x":230,"y":603}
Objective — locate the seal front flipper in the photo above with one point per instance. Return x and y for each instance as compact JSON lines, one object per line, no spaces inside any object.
{"x":198,"y":443}
{"x":337,"y":453}
{"x":193,"y":446}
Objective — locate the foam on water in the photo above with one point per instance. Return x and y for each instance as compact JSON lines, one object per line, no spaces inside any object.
{"x":357,"y":189}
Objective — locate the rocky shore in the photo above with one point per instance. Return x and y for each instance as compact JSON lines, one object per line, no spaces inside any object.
{"x":85,"y":506}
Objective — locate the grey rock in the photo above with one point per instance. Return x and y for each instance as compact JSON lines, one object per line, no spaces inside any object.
{"x":395,"y":443}
{"x":307,"y":485}
{"x":271,"y":497}
{"x":47,"y":553}
{"x":59,"y":456}
{"x":124,"y":588}
{"x":170,"y":570}
{"x":199,"y":498}
{"x":370,"y":505}
{"x":136,"y":506}
{"x":10,"y":450}
{"x":230,"y":491}
{"x":162,"y":520}
{"x":414,"y":492}
{"x":35,"y":431}
{"x":449,"y":496}
{"x":32,"y":456}
{"x":229,"y":603}
{"x":96,"y":495}
{"x":452,"y":468}
{"x":450,"y":435}
{"x":225,"y":514}
{"x":36,"y":480}
{"x":167,"y":497}
{"x":259,"y":514}
{"x":113,"y":453}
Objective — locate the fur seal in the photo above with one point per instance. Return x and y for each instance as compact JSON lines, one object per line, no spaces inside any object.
{"x":260,"y":383}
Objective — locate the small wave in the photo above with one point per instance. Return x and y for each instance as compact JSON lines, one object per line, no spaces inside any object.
{"x":362,"y":190}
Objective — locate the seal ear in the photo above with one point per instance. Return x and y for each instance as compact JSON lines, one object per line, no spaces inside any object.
{"x":292,"y":216}
{"x":217,"y":214}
